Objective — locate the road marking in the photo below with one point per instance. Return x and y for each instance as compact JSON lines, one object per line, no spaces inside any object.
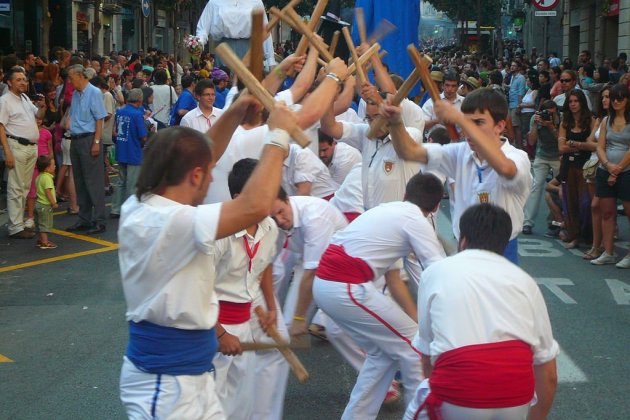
{"x":58,"y":258}
{"x":620,"y":291}
{"x":537,"y":248}
{"x":83,"y":238}
{"x":5,"y":359}
{"x":553,"y":284}
{"x":568,"y":371}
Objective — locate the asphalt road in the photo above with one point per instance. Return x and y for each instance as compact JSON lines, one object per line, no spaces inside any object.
{"x":63,"y":333}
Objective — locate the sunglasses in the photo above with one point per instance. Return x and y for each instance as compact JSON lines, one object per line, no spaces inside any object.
{"x":566,"y":80}
{"x":618,"y":98}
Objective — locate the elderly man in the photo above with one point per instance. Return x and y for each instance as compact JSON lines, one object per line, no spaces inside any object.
{"x":19,"y":135}
{"x":86,"y":127}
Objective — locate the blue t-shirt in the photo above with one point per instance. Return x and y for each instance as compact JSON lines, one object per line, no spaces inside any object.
{"x":130,"y":130}
{"x":87,"y":107}
{"x":518,"y":87}
{"x":220,"y":95}
{"x":185,"y":101}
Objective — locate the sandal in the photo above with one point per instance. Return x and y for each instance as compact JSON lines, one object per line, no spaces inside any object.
{"x":592,"y":254}
{"x":47,"y":245}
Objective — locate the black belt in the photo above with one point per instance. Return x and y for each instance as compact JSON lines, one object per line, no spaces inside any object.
{"x":79,"y":136}
{"x":22,"y":140}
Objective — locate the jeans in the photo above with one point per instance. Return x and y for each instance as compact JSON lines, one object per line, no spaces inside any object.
{"x":540,"y":169}
{"x":126,"y":186}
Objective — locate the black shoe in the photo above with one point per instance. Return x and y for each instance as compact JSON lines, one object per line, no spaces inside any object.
{"x":23,"y":234}
{"x":553,"y":232}
{"x":527,"y":230}
{"x":114,"y":216}
{"x":78,"y":227}
{"x":97,"y":228}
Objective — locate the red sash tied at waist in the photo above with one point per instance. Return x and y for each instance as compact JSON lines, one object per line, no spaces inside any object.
{"x":351,"y":215}
{"x":493,"y":375}
{"x":336,"y":265}
{"x":231,"y":313}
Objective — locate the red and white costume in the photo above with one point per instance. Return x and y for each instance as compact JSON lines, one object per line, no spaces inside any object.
{"x":344,"y":158}
{"x":477,"y":308}
{"x":345,"y":291}
{"x":411,"y":113}
{"x":302,"y":165}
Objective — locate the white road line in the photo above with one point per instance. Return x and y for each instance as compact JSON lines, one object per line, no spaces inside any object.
{"x":568,"y":371}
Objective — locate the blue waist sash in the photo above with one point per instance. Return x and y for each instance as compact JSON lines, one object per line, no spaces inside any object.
{"x":171,"y":351}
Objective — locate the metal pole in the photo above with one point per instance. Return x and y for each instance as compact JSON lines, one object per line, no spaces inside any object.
{"x":546,"y":36}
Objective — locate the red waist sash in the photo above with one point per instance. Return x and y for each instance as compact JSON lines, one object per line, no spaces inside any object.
{"x":234,"y":313}
{"x":493,"y":375}
{"x":351,"y":215}
{"x":336,"y":265}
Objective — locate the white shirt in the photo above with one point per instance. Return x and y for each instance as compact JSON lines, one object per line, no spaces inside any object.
{"x":166,"y":259}
{"x":388,"y":232}
{"x":560,"y":99}
{"x":108,"y":126}
{"x":384,"y":174}
{"x":244,"y":144}
{"x":302,"y":165}
{"x":349,"y":196}
{"x":232,"y":19}
{"x":314,"y":223}
{"x":235,"y":283}
{"x":479,"y":297}
{"x":429,"y":112}
{"x":458,"y":161}
{"x":164,"y":97}
{"x":349,"y":115}
{"x":343,"y":160}
{"x":411,"y":113}
{"x":195,"y":119}
{"x":17,"y":115}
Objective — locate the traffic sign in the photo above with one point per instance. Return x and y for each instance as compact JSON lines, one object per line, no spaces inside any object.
{"x":545,"y":4}
{"x":146,"y":7}
{"x":546,"y":13}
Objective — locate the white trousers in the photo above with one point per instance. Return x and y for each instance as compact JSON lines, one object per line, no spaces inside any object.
{"x":381,"y":328}
{"x":158,"y":396}
{"x":456,"y":412}
{"x":19,"y":183}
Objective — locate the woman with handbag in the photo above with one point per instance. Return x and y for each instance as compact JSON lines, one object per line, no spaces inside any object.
{"x":613,"y":175}
{"x":577,"y":125}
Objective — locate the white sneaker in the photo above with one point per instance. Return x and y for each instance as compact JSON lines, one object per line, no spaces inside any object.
{"x":29,"y":223}
{"x":624,"y":263}
{"x":605,"y":258}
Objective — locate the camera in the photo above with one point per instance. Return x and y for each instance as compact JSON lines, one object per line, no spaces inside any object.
{"x":544,"y":115}
{"x":37,"y":97}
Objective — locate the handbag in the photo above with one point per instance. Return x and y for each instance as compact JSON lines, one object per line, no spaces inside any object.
{"x":590,"y":168}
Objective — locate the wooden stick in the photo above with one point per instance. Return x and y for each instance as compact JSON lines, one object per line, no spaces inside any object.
{"x":275,"y":19}
{"x":382,"y":54}
{"x":364,"y":58}
{"x":291,"y":18}
{"x":360,"y":17}
{"x":318,"y":11}
{"x":384,"y":28}
{"x":355,"y":56}
{"x":296,"y":366}
{"x":380,"y":122}
{"x":270,"y":346}
{"x":256,"y":45}
{"x":334,"y":42}
{"x":256,"y":88}
{"x":420,"y":61}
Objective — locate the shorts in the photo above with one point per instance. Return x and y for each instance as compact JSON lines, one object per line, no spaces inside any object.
{"x":620,"y":189}
{"x":65,"y":150}
{"x":516,"y":117}
{"x":43,"y":217}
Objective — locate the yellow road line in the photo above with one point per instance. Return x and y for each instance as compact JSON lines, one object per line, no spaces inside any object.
{"x":83,"y":238}
{"x":5,"y":359}
{"x":57,"y":213}
{"x":58,"y":258}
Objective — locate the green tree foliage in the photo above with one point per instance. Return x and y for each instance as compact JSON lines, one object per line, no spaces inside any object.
{"x":463,"y":10}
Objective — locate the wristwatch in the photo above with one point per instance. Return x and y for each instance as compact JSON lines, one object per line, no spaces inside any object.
{"x":97,"y":141}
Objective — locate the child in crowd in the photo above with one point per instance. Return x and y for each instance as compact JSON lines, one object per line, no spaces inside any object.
{"x":44,"y":148}
{"x":46,"y":200}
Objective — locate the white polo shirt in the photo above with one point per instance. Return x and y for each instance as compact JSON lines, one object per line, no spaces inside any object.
{"x":476,"y":182}
{"x":349,"y":196}
{"x":349,"y":115}
{"x":244,"y":144}
{"x":166,"y":261}
{"x":411,"y":113}
{"x":384,"y":174}
{"x":388,"y":232}
{"x":343,"y":160}
{"x":314,"y":222}
{"x":479,"y":297}
{"x":429,"y":112}
{"x":235,"y":283}
{"x":17,"y":115}
{"x":195,"y":119}
{"x":302,"y":165}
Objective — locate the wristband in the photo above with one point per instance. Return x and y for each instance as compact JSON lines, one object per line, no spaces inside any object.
{"x":298,"y":318}
{"x":279,"y":138}
{"x":222,"y":334}
{"x":335,"y":78}
{"x":278,"y":71}
{"x":605,"y":164}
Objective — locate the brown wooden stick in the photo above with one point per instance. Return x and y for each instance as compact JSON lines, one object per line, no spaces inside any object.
{"x":360,"y":17}
{"x":256,"y":88}
{"x":382,"y":54}
{"x":364,"y":58}
{"x":384,"y":28}
{"x":300,"y":344}
{"x":296,"y":366}
{"x":292,"y":19}
{"x":318,"y":11}
{"x":421,"y":63}
{"x":256,"y":45}
{"x":355,"y":57}
{"x":273,"y":22}
{"x":334,"y":42}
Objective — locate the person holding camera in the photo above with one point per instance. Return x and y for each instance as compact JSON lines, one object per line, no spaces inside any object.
{"x":543,"y":133}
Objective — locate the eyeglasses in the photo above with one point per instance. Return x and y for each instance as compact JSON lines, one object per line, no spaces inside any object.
{"x":619,"y":98}
{"x":566,"y":80}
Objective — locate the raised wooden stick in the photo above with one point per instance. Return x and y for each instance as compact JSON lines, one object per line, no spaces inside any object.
{"x":364,"y":58}
{"x":296,"y":366}
{"x":318,"y":11}
{"x":421,"y":64}
{"x":382,"y":54}
{"x":275,"y":19}
{"x":256,"y":45}
{"x":256,"y":88}
{"x":360,"y":17}
{"x":384,"y":28}
{"x":334,"y":42}
{"x":380,"y":122}
{"x":293,"y":19}
{"x":355,"y":57}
